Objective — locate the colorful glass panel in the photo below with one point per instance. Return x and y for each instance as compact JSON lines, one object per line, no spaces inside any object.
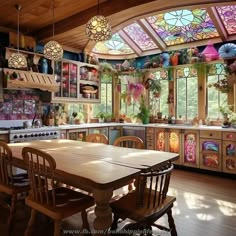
{"x":114,"y":46}
{"x":210,"y":146}
{"x":173,"y":142}
{"x":190,"y":148}
{"x":137,"y":34}
{"x":160,"y":141}
{"x":230,"y":149}
{"x":230,"y":164}
{"x":211,"y":160}
{"x":227,"y":15}
{"x":183,"y":26}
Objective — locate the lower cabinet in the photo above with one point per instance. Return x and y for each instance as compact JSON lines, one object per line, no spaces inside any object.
{"x":210,"y":150}
{"x":77,"y":134}
{"x":190,"y":145}
{"x":229,"y":152}
{"x":150,"y":138}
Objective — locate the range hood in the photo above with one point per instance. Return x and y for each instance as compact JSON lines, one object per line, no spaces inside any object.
{"x":14,"y":79}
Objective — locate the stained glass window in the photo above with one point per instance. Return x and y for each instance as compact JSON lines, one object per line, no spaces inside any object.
{"x":114,"y":46}
{"x":137,"y":34}
{"x":183,"y":26}
{"x":227,"y":15}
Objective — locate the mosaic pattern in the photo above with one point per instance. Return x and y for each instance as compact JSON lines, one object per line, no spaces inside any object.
{"x":114,"y":46}
{"x":227,"y":15}
{"x":216,"y":69}
{"x":186,"y":72}
{"x":183,"y":26}
{"x":137,"y":34}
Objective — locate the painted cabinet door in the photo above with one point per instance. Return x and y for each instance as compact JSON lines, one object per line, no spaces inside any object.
{"x":229,"y":152}
{"x":161,"y":140}
{"x":191,"y":148}
{"x":210,"y":154}
{"x":175,"y":143}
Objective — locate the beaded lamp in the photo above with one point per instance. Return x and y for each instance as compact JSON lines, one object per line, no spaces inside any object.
{"x":98,"y":28}
{"x":17,"y":60}
{"x":53,"y":50}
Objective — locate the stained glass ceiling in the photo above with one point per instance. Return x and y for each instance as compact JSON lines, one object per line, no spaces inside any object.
{"x":171,"y":31}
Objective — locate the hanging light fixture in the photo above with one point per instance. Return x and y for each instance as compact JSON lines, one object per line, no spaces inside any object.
{"x":98,"y":28}
{"x":17,"y":60}
{"x":53,"y":50}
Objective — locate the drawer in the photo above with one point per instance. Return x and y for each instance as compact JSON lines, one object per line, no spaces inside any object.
{"x":231,"y":136}
{"x":150,"y":130}
{"x":210,"y":134}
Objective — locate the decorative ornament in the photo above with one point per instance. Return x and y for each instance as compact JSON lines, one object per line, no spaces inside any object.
{"x":17,"y":60}
{"x":98,"y":28}
{"x":227,"y":50}
{"x":210,"y":52}
{"x":53,"y":50}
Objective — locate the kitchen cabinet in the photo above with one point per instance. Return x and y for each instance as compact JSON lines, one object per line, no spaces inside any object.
{"x":99,"y":130}
{"x":78,"y":82}
{"x":229,"y":152}
{"x":190,"y":145}
{"x":169,"y":140}
{"x":4,"y":138}
{"x":150,"y":138}
{"x":210,"y":150}
{"x":114,"y":133}
{"x":77,"y":134}
{"x":138,"y":131}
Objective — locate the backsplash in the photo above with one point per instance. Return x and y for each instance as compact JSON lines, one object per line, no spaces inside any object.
{"x":19,"y":105}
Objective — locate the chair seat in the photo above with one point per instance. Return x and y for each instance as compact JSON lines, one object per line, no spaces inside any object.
{"x":68,"y":202}
{"x":127,"y":207}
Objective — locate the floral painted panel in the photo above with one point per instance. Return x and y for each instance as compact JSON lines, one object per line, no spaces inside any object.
{"x":114,"y":46}
{"x":181,"y":26}
{"x":227,"y":15}
{"x":174,"y":142}
{"x":137,"y":34}
{"x":160,"y":145}
{"x":190,"y":148}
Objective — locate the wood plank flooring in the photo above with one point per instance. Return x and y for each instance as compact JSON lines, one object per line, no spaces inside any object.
{"x":206,"y":205}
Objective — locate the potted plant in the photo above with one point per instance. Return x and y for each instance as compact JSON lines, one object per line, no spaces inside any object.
{"x":101,"y":116}
{"x":144,"y":111}
{"x":155,"y":87}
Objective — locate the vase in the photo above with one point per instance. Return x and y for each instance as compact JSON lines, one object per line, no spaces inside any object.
{"x":145,"y":120}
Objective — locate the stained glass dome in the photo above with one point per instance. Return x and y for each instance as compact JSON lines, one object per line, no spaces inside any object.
{"x":171,"y":30}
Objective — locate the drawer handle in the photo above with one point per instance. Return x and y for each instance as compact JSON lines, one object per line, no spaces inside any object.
{"x":210,"y":134}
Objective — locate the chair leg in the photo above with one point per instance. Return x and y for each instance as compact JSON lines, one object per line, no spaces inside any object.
{"x":12,"y":213}
{"x":85,"y":220}
{"x":57,"y":228}
{"x":30,"y":223}
{"x":114,"y":224}
{"x":171,"y":223}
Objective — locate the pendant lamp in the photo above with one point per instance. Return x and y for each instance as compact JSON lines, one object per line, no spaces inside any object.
{"x":98,"y":28}
{"x":53,"y":50}
{"x":17,"y":60}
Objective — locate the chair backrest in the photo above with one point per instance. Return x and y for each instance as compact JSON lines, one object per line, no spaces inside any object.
{"x":5,"y":164}
{"x":129,"y":142}
{"x":152,"y":187}
{"x":97,"y":138}
{"x":41,"y":167}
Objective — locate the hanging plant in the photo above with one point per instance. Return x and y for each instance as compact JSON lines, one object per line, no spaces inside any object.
{"x":222,"y":85}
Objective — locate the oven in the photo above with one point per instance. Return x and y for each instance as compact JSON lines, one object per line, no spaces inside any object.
{"x":19,"y":134}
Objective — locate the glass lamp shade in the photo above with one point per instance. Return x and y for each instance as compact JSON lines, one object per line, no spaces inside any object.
{"x":98,"y":28}
{"x":53,"y":51}
{"x":17,"y":60}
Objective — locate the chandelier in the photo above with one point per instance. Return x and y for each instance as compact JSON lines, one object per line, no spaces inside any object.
{"x":17,"y":60}
{"x":98,"y":28}
{"x":53,"y":50}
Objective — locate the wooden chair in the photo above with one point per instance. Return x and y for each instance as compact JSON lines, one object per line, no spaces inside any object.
{"x":10,"y":184}
{"x":97,"y":138}
{"x":147,"y":203}
{"x":45,"y":197}
{"x":129,"y":142}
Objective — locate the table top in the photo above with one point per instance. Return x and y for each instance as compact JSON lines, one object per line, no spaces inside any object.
{"x":95,"y":164}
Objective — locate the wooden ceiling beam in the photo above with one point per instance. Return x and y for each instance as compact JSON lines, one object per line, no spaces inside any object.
{"x":217,"y":23}
{"x":130,"y":42}
{"x":106,"y":8}
{"x":152,"y":34}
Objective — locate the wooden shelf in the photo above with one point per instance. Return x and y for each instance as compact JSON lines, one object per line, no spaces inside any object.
{"x":28,"y":79}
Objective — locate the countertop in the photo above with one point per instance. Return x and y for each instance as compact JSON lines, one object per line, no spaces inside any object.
{"x":155,"y":125}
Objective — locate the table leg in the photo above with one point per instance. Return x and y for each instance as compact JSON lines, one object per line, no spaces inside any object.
{"x":103,"y":211}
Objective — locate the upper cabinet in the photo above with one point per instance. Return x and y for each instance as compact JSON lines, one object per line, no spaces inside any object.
{"x":78,"y":82}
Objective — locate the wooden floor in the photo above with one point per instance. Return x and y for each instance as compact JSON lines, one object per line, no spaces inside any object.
{"x":206,"y":205}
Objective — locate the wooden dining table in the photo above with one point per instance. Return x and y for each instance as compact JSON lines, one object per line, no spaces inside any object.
{"x":97,"y":168}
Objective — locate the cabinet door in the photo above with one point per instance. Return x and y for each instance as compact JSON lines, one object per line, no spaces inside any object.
{"x":150,"y":138}
{"x":78,"y":134}
{"x":229,"y":157}
{"x":210,"y":154}
{"x":174,"y":143}
{"x":161,"y":140}
{"x":73,"y":76}
{"x":191,"y":148}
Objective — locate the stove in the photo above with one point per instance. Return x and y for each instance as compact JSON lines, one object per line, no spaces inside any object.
{"x":20,"y":134}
